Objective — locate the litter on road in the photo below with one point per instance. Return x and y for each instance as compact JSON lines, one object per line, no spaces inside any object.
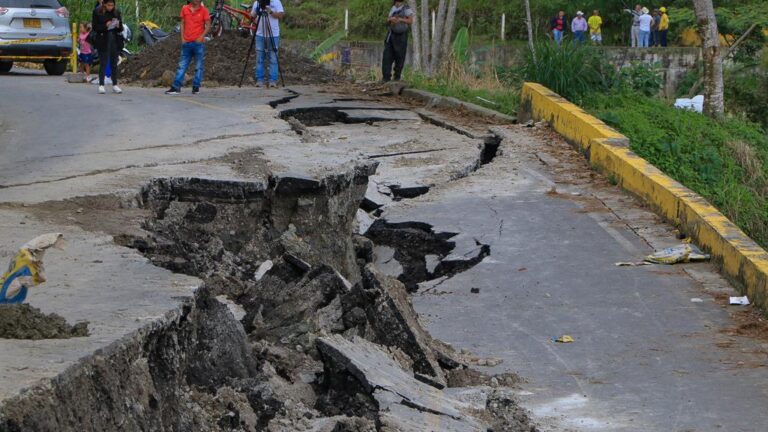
{"x":678,"y":254}
{"x":739,"y":301}
{"x":563,"y":339}
{"x":26,"y":268}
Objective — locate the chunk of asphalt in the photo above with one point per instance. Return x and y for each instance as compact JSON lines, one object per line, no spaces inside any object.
{"x":263,"y":269}
{"x":385,"y":261}
{"x":395,"y":323}
{"x":405,"y":403}
{"x":364,"y":221}
{"x":297,"y":262}
{"x":409,"y":191}
{"x":294,"y":184}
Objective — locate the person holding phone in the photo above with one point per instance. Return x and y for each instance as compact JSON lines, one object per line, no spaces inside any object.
{"x":107,"y":22}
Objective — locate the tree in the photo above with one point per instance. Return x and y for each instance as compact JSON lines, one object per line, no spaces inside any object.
{"x":529,"y":24}
{"x":448,"y":31}
{"x":434,"y":61}
{"x":416,"y":58}
{"x":714,"y":99}
{"x":425,"y":35}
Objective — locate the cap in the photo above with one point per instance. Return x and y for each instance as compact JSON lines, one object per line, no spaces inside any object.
{"x":663,"y":9}
{"x":645,"y":10}
{"x":579,"y":13}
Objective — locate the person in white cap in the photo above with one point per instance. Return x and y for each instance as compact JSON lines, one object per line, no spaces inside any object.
{"x":646,"y":21}
{"x":579,"y":28}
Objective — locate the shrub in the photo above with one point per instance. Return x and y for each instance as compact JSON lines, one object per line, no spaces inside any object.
{"x":571,"y":70}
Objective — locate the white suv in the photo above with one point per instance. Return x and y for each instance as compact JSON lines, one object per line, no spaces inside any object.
{"x":35,"y":19}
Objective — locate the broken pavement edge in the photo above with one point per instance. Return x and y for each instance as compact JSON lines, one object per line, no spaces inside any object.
{"x":739,"y":257}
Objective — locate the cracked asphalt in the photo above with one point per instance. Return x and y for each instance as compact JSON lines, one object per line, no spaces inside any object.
{"x":645,"y":358}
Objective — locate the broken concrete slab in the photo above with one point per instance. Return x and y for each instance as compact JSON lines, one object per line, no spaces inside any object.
{"x":363,"y":115}
{"x":385,"y":261}
{"x":405,"y":404}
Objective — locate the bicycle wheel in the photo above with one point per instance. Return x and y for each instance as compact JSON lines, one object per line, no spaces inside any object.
{"x":221,"y":22}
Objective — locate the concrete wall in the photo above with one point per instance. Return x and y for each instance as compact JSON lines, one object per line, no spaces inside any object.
{"x":675,"y":62}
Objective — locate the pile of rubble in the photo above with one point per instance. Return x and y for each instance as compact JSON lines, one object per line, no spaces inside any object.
{"x":294,"y":330}
{"x":224,"y":61}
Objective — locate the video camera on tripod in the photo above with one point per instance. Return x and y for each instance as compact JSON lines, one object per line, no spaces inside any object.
{"x":263,"y":19}
{"x":263,"y":9}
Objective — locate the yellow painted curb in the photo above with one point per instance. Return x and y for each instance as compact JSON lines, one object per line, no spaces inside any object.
{"x":741,"y":259}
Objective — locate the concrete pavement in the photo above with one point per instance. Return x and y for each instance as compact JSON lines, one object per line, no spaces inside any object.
{"x":645,"y":356}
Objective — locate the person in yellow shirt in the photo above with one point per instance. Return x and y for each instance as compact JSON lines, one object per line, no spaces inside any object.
{"x":595,"y":23}
{"x":663,"y":26}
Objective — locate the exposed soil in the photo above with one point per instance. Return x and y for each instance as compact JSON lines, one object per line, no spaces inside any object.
{"x":27,"y":322}
{"x":224,"y":57}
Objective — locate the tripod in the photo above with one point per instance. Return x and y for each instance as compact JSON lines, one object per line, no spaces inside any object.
{"x":262,"y":17}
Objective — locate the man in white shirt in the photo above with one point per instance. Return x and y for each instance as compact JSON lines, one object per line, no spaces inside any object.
{"x":646,"y":21}
{"x":267,"y":39}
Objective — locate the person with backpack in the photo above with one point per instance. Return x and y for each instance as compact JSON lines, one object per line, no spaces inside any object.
{"x":399,"y":20}
{"x":107,"y":27}
{"x":195,"y":26}
{"x":558,"y":25}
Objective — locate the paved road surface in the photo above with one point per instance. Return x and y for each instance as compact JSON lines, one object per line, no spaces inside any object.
{"x":645,"y":358}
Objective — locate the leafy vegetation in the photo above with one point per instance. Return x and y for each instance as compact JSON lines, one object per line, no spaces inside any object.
{"x":725,"y":161}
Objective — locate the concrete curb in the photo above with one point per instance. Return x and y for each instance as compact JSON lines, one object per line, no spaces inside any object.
{"x":435,"y":100}
{"x":741,"y":259}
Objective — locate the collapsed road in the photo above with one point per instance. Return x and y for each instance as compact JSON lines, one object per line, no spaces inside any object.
{"x":328,"y":259}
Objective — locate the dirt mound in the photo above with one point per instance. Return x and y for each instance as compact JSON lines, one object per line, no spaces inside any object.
{"x":27,"y":322}
{"x":156,"y":65}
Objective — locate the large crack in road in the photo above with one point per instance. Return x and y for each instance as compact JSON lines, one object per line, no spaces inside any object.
{"x":350,"y":263}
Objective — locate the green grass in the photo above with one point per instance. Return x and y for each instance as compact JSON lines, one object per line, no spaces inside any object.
{"x":725,"y":162}
{"x":504,"y":99}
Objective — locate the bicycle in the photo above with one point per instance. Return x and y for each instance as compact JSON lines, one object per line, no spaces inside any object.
{"x":223,"y":15}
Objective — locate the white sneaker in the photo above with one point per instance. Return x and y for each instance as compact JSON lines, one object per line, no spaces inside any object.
{"x":116,"y":89}
{"x":101,"y":89}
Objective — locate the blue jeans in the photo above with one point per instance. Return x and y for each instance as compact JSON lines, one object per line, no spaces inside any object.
{"x":580,"y":37}
{"x":558,"y":36}
{"x":189,"y":50}
{"x":645,"y":37}
{"x":261,"y":54}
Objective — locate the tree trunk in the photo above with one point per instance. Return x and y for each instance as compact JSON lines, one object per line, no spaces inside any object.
{"x":434,"y":62}
{"x":714,"y":100}
{"x":416,"y":38}
{"x":425,"y":36}
{"x":529,"y":24}
{"x":448,"y":29}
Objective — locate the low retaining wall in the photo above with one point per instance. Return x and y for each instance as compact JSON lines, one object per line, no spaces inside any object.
{"x":742,"y":260}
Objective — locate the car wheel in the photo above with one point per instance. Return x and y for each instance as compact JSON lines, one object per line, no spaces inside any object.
{"x":5,"y":66}
{"x":53,"y":67}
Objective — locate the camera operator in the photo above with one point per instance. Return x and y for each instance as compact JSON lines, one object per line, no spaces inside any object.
{"x":267,"y":38}
{"x":396,"y":44}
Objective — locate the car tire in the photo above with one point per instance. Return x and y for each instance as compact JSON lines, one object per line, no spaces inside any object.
{"x":53,"y":67}
{"x":5,"y":66}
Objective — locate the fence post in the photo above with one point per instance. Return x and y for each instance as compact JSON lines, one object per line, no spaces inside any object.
{"x":346,"y":21}
{"x":137,"y":14}
{"x":503,"y":26}
{"x":73,"y":56}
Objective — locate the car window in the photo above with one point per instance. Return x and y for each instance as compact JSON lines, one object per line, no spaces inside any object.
{"x":31,"y":4}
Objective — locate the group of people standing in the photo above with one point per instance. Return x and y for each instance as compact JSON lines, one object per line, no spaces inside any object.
{"x":104,"y":33}
{"x":648,"y":29}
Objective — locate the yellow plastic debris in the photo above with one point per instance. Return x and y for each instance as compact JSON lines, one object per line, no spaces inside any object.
{"x":26,"y":268}
{"x":564,"y":339}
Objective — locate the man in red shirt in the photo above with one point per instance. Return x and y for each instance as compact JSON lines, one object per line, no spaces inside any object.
{"x":195,"y":25}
